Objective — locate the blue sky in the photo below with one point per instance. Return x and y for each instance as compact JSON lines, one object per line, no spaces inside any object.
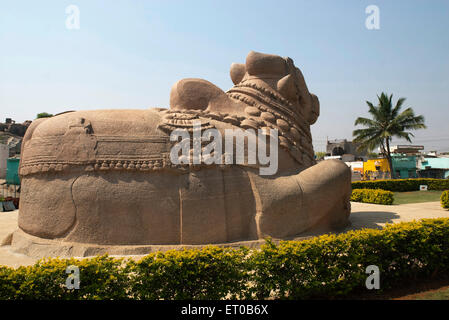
{"x":128,"y":54}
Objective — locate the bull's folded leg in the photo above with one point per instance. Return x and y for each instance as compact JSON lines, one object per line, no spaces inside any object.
{"x":326,"y":191}
{"x":289,"y":205}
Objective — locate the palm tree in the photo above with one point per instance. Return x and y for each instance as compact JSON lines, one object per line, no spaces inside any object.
{"x":387,"y":122}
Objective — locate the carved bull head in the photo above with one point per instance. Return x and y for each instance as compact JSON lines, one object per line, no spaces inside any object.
{"x":281,"y":75}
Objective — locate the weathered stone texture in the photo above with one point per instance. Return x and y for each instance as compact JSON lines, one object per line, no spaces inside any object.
{"x":105,"y":177}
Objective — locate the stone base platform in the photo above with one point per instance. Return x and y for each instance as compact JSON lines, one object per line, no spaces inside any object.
{"x":34,"y":247}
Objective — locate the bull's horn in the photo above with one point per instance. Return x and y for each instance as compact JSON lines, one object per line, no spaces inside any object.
{"x":286,"y":87}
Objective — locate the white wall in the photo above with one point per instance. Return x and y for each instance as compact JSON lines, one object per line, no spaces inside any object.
{"x":4,"y":154}
{"x":355,"y":165}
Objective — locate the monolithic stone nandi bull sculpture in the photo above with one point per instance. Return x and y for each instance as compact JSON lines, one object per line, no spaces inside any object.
{"x":106,"y":177}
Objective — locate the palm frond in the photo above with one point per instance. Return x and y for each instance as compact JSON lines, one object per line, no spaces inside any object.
{"x":387,"y":122}
{"x":365,"y":121}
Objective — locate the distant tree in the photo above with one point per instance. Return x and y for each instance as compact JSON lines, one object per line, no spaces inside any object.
{"x":372,"y":155}
{"x":320,"y":155}
{"x":44,"y":115}
{"x":387,"y":122}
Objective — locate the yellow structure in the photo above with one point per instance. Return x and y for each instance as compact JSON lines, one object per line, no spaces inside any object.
{"x":376,"y":169}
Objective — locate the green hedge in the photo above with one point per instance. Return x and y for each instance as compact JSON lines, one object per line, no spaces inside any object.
{"x":334,"y":265}
{"x":210,"y":273}
{"x":401,"y":185}
{"x":102,"y":277}
{"x":376,"y":196}
{"x":328,"y":266}
{"x":445,"y":199}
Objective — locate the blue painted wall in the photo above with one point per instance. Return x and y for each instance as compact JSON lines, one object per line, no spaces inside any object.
{"x":405,"y":166}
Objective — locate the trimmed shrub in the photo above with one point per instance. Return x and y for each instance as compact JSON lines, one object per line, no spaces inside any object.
{"x":402,"y":185}
{"x":210,"y":273}
{"x":328,"y":266}
{"x":376,"y":196}
{"x":334,"y":265}
{"x":102,"y":277}
{"x":445,"y":199}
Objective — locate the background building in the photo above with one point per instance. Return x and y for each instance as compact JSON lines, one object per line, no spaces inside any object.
{"x":4,"y":155}
{"x":374,"y":169}
{"x":340,"y":147}
{"x":437,"y":168}
{"x":407,"y":149}
{"x":11,"y":135}
{"x":404,"y":166}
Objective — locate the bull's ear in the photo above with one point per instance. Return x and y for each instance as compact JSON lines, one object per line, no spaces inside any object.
{"x":238,"y":71}
{"x":286,"y":87}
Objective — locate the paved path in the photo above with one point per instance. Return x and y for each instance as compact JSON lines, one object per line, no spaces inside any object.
{"x":363,"y":216}
{"x":8,"y":223}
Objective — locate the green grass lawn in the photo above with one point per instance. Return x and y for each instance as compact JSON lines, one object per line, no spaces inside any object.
{"x":416,"y":196}
{"x":441,"y":294}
